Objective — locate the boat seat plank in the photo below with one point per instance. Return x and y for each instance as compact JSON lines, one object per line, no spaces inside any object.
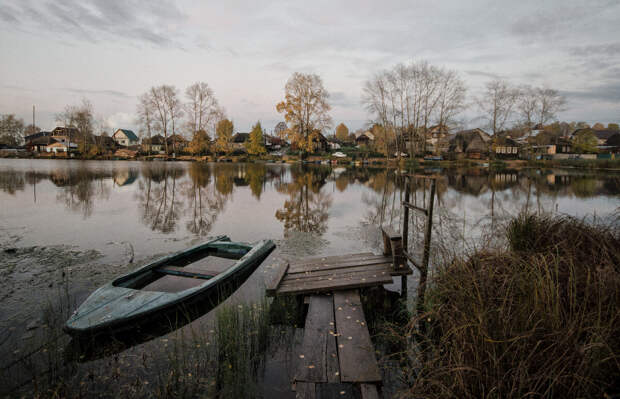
{"x":186,"y":272}
{"x":355,"y":349}
{"x":364,"y":271}
{"x":312,"y":356}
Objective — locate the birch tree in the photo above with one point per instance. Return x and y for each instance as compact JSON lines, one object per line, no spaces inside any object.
{"x":146,"y":117}
{"x":201,"y":109}
{"x":497,"y":103}
{"x":550,"y":102}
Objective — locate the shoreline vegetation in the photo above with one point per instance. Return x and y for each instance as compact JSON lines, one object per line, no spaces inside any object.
{"x":539,"y":317}
{"x":592,"y":164}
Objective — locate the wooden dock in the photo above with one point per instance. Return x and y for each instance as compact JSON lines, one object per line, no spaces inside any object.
{"x":336,"y":357}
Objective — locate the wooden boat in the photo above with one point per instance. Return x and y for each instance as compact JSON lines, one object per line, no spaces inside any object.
{"x":128,"y":300}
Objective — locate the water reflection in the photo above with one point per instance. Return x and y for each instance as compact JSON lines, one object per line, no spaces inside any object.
{"x":307,"y":206}
{"x":174,"y":196}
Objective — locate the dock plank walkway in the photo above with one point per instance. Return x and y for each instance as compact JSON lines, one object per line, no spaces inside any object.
{"x":336,"y":357}
{"x":332,"y":273}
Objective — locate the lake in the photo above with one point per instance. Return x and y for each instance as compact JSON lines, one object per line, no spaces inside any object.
{"x":69,"y":226}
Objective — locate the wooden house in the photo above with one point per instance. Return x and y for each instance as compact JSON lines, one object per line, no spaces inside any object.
{"x":364,"y":139}
{"x":507,"y":148}
{"x":239,"y":142}
{"x":473,"y":144}
{"x":40,"y":143}
{"x":154,"y":144}
{"x":125,"y":137}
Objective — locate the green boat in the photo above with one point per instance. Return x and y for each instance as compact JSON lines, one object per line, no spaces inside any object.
{"x":146,"y":293}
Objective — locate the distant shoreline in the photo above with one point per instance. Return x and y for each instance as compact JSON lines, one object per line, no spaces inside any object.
{"x":417,"y":163}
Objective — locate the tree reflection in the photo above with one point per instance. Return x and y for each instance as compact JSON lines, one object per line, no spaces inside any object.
{"x":79,"y":188}
{"x":255,"y":175}
{"x":157,"y":195}
{"x":12,"y":181}
{"x":306,"y":210}
{"x":204,"y":203}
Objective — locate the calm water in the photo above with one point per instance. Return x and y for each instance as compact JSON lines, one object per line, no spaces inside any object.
{"x":91,"y":218}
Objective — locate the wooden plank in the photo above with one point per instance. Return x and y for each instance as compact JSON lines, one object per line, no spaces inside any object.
{"x":342,"y":275}
{"x":305,"y":390}
{"x":272,"y":284}
{"x":340,"y":391}
{"x":185,"y":272}
{"x":356,"y":352}
{"x":300,"y":268}
{"x":379,"y":267}
{"x":312,"y":358}
{"x":324,"y":286}
{"x":332,"y":367}
{"x":336,"y":258}
{"x":369,"y":391}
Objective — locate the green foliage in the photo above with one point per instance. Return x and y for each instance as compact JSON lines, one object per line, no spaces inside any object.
{"x":255,"y":144}
{"x":585,"y":142}
{"x":613,"y":126}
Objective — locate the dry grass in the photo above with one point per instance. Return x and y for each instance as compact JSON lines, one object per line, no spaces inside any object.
{"x":541,"y":319}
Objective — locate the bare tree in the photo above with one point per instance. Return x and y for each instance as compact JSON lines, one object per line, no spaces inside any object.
{"x":146,"y":117}
{"x":11,"y":129}
{"x":408,"y":98}
{"x":80,"y":117}
{"x":156,"y":100}
{"x":497,"y":104}
{"x":550,"y":102}
{"x":175,"y":110}
{"x":202,"y":108}
{"x":527,"y":106}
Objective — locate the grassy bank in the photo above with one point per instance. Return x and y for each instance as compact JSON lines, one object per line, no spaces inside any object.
{"x":538,"y":319}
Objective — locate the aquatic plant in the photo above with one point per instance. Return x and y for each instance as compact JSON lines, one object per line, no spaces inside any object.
{"x":538,"y":319}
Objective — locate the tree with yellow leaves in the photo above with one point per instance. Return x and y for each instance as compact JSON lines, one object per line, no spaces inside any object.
{"x":305,"y":108}
{"x":342,"y":132}
{"x":224,"y":132}
{"x":255,"y":145}
{"x":199,"y":144}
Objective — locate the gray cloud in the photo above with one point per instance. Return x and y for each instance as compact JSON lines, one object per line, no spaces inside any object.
{"x":112,"y":93}
{"x":607,"y":93}
{"x":340,"y":99}
{"x":483,"y":74}
{"x":605,"y":50}
{"x":94,"y":21}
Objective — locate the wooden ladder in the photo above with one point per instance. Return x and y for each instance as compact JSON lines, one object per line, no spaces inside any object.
{"x":410,"y":180}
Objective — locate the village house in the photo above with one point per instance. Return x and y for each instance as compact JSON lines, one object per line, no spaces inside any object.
{"x":507,"y":148}
{"x":437,"y":139}
{"x":239,"y":142}
{"x":105,"y":143}
{"x":40,"y":143}
{"x":67,"y":136}
{"x":33,"y":136}
{"x":125,"y":137}
{"x":334,"y":144}
{"x":273,"y":143}
{"x":364,"y":139}
{"x":154,"y":144}
{"x":473,"y":144}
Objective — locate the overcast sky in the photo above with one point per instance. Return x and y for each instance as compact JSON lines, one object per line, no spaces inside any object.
{"x":110,"y":51}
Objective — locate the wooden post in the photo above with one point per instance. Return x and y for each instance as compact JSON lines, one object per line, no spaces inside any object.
{"x":393,"y":245}
{"x":403,"y":279}
{"x":427,"y":250}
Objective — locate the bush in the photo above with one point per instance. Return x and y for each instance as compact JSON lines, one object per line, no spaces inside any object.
{"x":540,"y":319}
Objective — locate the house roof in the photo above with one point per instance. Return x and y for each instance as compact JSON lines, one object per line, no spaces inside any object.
{"x":366,"y":134}
{"x":70,"y":132}
{"x":176,"y":138}
{"x":36,"y":135}
{"x":129,"y":133}
{"x":241,"y":137}
{"x":155,"y":140}
{"x":614,"y":140}
{"x":42,"y":140}
{"x":507,"y":142}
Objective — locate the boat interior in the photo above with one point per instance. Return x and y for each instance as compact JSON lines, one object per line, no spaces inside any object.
{"x":184,"y":271}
